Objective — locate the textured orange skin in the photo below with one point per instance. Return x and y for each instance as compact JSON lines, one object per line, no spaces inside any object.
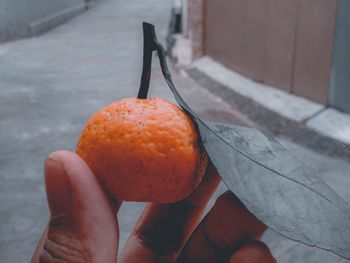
{"x":143,"y":150}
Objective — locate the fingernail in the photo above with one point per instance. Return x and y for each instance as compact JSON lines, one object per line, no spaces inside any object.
{"x":57,"y":187}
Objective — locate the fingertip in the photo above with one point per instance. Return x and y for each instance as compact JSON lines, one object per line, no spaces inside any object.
{"x":67,"y":176}
{"x":59,"y":155}
{"x":76,"y":169}
{"x":83,"y":181}
{"x":57,"y":186}
{"x":70,"y":160}
{"x":253,"y":252}
{"x":73,"y":164}
{"x":229,"y":222}
{"x":201,"y":195}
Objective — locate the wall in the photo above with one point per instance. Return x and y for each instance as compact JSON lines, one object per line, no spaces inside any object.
{"x":284,"y":43}
{"x":245,"y":36}
{"x":340,"y":84}
{"x":313,"y":49}
{"x":20,"y":18}
{"x":194,"y":28}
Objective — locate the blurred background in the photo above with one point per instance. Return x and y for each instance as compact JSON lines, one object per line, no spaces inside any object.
{"x":280,"y":66}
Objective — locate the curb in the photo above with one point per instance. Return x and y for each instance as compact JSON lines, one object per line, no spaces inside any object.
{"x":40,"y":26}
{"x":273,"y":122}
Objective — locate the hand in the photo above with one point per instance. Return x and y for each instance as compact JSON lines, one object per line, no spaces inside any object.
{"x":83,"y":225}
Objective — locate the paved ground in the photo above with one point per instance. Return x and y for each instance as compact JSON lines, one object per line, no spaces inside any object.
{"x":51,"y":84}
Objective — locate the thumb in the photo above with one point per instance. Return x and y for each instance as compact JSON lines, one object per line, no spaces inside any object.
{"x":82,"y":225}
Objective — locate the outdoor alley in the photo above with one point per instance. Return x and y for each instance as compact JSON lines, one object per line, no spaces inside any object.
{"x":52,"y":83}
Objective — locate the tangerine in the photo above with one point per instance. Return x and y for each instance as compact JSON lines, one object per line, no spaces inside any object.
{"x":143,"y":150}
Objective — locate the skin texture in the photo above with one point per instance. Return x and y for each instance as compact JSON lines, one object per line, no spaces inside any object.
{"x":148,"y":141}
{"x":83,"y":226}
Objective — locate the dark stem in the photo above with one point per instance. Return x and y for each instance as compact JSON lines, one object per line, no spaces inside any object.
{"x":149,"y":45}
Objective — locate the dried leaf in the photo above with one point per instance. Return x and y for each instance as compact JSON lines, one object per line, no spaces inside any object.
{"x":277,"y":188}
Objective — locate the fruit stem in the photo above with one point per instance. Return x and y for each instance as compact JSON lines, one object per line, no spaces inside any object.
{"x":149,"y":45}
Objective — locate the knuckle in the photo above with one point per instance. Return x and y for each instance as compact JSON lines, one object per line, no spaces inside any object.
{"x":61,"y":245}
{"x":55,"y":252}
{"x":159,"y":245}
{"x":229,"y":223}
{"x":253,"y":251}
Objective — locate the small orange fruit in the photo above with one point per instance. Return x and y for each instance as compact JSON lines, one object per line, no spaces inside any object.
{"x":143,"y":150}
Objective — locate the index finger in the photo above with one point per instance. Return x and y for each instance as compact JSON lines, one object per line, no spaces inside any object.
{"x":163,"y":229}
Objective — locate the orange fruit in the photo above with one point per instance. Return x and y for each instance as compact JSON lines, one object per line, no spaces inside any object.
{"x":143,"y":150}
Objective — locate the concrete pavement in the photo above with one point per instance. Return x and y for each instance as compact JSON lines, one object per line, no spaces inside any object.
{"x":51,"y":84}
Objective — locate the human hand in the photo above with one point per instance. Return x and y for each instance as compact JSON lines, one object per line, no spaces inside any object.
{"x":83,"y":225}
